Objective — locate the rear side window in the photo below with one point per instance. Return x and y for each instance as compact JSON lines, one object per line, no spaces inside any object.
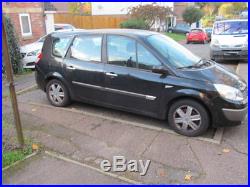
{"x":60,"y":45}
{"x":87,"y":48}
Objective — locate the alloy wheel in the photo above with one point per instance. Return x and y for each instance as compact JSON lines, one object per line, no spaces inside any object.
{"x":56,"y":93}
{"x":187,"y":118}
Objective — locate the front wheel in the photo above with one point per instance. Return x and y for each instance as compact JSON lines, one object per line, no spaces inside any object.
{"x":57,"y":93}
{"x":188,"y":117}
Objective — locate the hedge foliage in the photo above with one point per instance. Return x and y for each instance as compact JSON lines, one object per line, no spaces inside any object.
{"x":13,"y":46}
{"x":135,"y":24}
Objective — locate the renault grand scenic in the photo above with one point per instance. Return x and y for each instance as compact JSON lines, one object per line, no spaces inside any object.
{"x":141,"y":72}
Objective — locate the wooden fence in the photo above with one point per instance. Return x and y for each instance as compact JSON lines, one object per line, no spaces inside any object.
{"x":90,"y":22}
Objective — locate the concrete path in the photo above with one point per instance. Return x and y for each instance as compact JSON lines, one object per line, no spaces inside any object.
{"x":45,"y":169}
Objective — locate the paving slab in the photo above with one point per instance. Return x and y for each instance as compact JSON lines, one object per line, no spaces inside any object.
{"x":220,"y":167}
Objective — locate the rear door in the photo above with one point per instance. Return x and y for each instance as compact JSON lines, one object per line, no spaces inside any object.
{"x":84,"y":67}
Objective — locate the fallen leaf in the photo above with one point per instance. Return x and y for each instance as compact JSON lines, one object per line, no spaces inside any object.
{"x":34,"y":146}
{"x":33,"y":109}
{"x":226,"y":150}
{"x":188,"y":177}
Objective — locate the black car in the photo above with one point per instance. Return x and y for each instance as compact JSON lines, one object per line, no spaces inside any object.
{"x":141,"y":72}
{"x":181,"y":28}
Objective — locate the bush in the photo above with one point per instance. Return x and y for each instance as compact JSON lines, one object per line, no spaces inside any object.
{"x":13,"y":46}
{"x":135,"y":24}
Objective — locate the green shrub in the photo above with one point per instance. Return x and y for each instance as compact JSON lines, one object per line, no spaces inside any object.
{"x":135,"y":24}
{"x":13,"y":46}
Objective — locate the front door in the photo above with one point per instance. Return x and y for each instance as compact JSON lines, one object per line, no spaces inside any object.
{"x":129,"y":80}
{"x":84,"y":67}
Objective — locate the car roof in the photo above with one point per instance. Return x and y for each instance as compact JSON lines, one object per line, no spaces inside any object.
{"x":127,"y":32}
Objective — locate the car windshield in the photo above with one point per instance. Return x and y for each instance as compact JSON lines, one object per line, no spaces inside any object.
{"x":231,"y":28}
{"x":177,"y":55}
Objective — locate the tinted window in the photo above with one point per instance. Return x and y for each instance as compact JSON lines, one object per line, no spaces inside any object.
{"x":196,"y":30}
{"x":60,"y":46}
{"x":87,"y":48}
{"x":121,"y":51}
{"x":146,"y":60}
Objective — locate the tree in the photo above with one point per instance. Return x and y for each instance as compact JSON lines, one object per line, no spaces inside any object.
{"x":14,"y":47}
{"x":150,"y":13}
{"x":192,"y":14}
{"x":75,"y":8}
{"x":231,"y":10}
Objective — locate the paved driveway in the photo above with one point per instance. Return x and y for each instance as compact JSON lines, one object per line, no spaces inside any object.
{"x":88,"y":134}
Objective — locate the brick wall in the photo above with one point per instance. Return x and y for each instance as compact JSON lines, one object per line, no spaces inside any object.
{"x":37,"y":19}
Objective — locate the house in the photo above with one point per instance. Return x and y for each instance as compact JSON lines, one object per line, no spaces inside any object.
{"x":179,"y":8}
{"x":31,"y":20}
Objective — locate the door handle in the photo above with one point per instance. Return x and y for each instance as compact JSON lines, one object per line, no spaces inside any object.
{"x":111,"y":74}
{"x":71,"y":67}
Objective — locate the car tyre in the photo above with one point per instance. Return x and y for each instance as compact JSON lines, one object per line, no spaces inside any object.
{"x":188,"y":117}
{"x":57,"y":93}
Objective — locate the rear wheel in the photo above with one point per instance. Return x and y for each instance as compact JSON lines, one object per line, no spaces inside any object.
{"x":57,"y":93}
{"x":188,"y":117}
{"x":187,"y":42}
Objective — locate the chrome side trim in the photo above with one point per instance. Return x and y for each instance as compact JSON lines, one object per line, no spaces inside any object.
{"x":148,"y":97}
{"x":88,"y":85}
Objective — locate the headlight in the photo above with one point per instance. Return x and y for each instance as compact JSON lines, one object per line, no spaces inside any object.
{"x":215,"y":43}
{"x":229,"y":92}
{"x":33,"y":53}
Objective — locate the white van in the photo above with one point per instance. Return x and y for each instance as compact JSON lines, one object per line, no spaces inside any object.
{"x":229,"y":40}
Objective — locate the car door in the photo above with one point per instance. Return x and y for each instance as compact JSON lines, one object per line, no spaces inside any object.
{"x":84,"y":67}
{"x":128,"y":85}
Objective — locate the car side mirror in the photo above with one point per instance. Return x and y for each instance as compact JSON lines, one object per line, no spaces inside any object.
{"x":160,"y":70}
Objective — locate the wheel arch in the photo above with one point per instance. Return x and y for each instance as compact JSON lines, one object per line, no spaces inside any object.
{"x":58,"y":76}
{"x":190,"y":97}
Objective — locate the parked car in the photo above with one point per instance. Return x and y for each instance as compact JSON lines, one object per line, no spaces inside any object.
{"x":208,"y":31}
{"x":60,"y":26}
{"x":180,"y":28}
{"x":141,"y":72}
{"x":197,"y":35}
{"x":229,"y":40}
{"x":29,"y":53}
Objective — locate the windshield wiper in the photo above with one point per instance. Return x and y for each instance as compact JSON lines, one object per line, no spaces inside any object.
{"x":201,"y":62}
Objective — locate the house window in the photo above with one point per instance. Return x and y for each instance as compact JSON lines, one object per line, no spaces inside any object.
{"x":25,"y":24}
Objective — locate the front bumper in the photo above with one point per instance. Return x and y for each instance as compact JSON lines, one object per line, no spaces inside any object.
{"x":229,"y":54}
{"x":235,"y":114}
{"x":29,"y":62}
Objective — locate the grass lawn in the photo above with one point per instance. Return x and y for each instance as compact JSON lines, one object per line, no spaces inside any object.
{"x":10,"y":152}
{"x":176,"y":37}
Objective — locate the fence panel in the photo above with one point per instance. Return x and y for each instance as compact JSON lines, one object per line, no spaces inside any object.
{"x":90,"y":22}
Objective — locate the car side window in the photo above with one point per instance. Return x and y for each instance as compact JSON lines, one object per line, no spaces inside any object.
{"x":121,"y":51}
{"x":146,"y":60}
{"x":59,"y":47}
{"x":87,"y":48}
